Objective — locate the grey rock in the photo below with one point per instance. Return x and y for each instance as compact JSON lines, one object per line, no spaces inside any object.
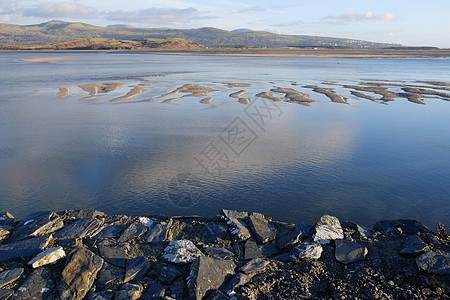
{"x":37,"y":224}
{"x":364,"y":231}
{"x":178,"y":291}
{"x":261,"y":228}
{"x":24,"y":248}
{"x":181,"y":251}
{"x":252,"y":250}
{"x":236,"y":281}
{"x":49,"y":256}
{"x":402,"y":226}
{"x":239,"y":229}
{"x":239,"y":250}
{"x":111,"y":231}
{"x":107,"y":278}
{"x":103,"y":295}
{"x":328,"y":228}
{"x":84,"y":214}
{"x":80,"y":229}
{"x":288,"y":240}
{"x":167,"y":273}
{"x":234,"y":214}
{"x":254,"y":266}
{"x":129,"y":291}
{"x":217,"y":295}
{"x":307,"y":251}
{"x":6,"y":294}
{"x":37,"y":286}
{"x":114,"y":255}
{"x":157,"y":233}
{"x":347,"y":252}
{"x":207,"y":274}
{"x":212,"y":232}
{"x":218,"y":252}
{"x":434,"y":263}
{"x":137,"y":267}
{"x":154,"y":292}
{"x":133,"y":231}
{"x":284,"y":257}
{"x":413,"y":246}
{"x":81,"y":269}
{"x":67,"y":243}
{"x":269,"y":249}
{"x":6,"y":218}
{"x":304,"y":228}
{"x":6,"y":277}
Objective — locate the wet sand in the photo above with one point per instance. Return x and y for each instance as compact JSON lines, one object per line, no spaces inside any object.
{"x":137,"y":90}
{"x":63,"y":92}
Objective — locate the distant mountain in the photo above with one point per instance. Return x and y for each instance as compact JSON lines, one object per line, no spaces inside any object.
{"x":242,"y":30}
{"x":120,"y":26}
{"x":59,"y":31}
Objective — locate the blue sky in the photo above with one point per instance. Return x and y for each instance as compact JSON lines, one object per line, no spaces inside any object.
{"x":396,"y":21}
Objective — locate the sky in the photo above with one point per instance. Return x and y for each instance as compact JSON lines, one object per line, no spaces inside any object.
{"x":407,"y":22}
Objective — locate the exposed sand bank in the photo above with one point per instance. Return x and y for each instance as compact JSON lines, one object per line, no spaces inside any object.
{"x":192,"y":90}
{"x":63,"y":92}
{"x":245,"y":101}
{"x":330,"y":93}
{"x":137,"y":90}
{"x":206,"y":100}
{"x":94,"y":88}
{"x":238,"y":94}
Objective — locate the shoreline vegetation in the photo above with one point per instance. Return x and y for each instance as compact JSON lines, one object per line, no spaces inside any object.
{"x":85,"y":254}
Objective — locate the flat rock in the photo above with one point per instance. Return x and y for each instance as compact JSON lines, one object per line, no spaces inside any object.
{"x":328,"y":228}
{"x":269,"y":249}
{"x":137,"y":267}
{"x":219,"y":252}
{"x":261,"y":228}
{"x":103,"y":295}
{"x":111,"y":231}
{"x":23,"y":248}
{"x":49,"y":256}
{"x":107,"y":278}
{"x":181,"y":251}
{"x":252,"y":249}
{"x":167,"y":273}
{"x":307,"y":251}
{"x":6,"y":294}
{"x":79,"y":273}
{"x":154,"y":292}
{"x":37,"y":224}
{"x":129,"y":291}
{"x":84,"y":213}
{"x":157,"y":233}
{"x":37,"y":286}
{"x":114,"y":255}
{"x":413,"y":246}
{"x":6,"y":277}
{"x":207,"y":274}
{"x":347,"y":252}
{"x":239,"y":229}
{"x":288,"y":240}
{"x":434,"y":263}
{"x":234,"y":214}
{"x":254,"y":266}
{"x":405,"y":226}
{"x":6,"y":218}
{"x":133,"y":231}
{"x":80,"y":229}
{"x":304,"y":228}
{"x":212,"y":232}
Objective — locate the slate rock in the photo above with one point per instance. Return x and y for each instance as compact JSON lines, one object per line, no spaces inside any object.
{"x":133,"y":231}
{"x":37,"y":224}
{"x":129,"y":291}
{"x":137,"y":267}
{"x":177,"y":291}
{"x":255,"y":265}
{"x":328,"y":228}
{"x":6,"y":294}
{"x":304,"y":228}
{"x":207,"y":274}
{"x":219,"y":252}
{"x":288,"y":240}
{"x":405,"y":226}
{"x":269,"y":249}
{"x":364,"y":231}
{"x":217,"y":295}
{"x":239,"y":229}
{"x":181,"y":251}
{"x":347,"y":252}
{"x":107,"y":278}
{"x":80,"y":229}
{"x":49,"y":256}
{"x":261,"y":228}
{"x":154,"y":292}
{"x":252,"y":250}
{"x":157,"y":233}
{"x":6,"y":277}
{"x":307,"y":251}
{"x":84,"y":214}
{"x":23,"y":248}
{"x":111,"y":231}
{"x":413,"y":246}
{"x":212,"y":232}
{"x":285,"y":257}
{"x":434,"y":263}
{"x":81,"y":269}
{"x":67,"y":243}
{"x":103,"y":295}
{"x":234,"y":214}
{"x":167,"y":273}
{"x":236,"y":281}
{"x":6,"y":218}
{"x":114,"y":255}
{"x":37,"y":285}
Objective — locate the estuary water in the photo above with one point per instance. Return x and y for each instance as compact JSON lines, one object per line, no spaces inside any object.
{"x":364,"y":160}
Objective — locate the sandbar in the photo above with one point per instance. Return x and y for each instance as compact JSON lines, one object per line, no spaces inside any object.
{"x":330,"y":93}
{"x":245,"y":101}
{"x":269,"y":96}
{"x":362,"y":95}
{"x":233,"y":84}
{"x":192,"y":90}
{"x":206,"y":100}
{"x":48,"y":59}
{"x":137,"y":90}
{"x":63,"y":92}
{"x":95,"y":88}
{"x":294,"y":96}
{"x":238,"y":94}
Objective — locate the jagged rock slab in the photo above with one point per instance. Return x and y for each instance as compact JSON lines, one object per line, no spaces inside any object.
{"x":261,"y":228}
{"x":181,"y":251}
{"x":239,"y":229}
{"x":207,"y":274}
{"x":136,"y":268}
{"x":133,"y":231}
{"x":157,"y":233}
{"x":218,"y":252}
{"x":6,"y":294}
{"x":79,"y":273}
{"x":111,"y":231}
{"x":114,"y":255}
{"x":37,"y":286}
{"x":413,"y":246}
{"x":364,"y":231}
{"x":49,"y":256}
{"x":434,"y":263}
{"x":328,"y":228}
{"x":347,"y":252}
{"x":401,"y":226}
{"x":212,"y":232}
{"x":254,"y":266}
{"x":6,"y":277}
{"x":37,"y":224}
{"x":167,"y":273}
{"x":107,"y":278}
{"x":269,"y":249}
{"x":234,"y":214}
{"x":304,"y":228}
{"x":252,"y":250}
{"x":84,"y":214}
{"x":288,"y":240}
{"x":103,"y":295}
{"x":146,"y":221}
{"x":154,"y":292}
{"x":6,"y":218}
{"x":24,"y":248}
{"x":306,"y":251}
{"x":79,"y":229}
{"x":129,"y":291}
{"x":236,"y":281}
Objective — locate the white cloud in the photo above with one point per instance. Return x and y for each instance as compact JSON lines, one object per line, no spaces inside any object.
{"x":60,"y":10}
{"x":357,"y":17}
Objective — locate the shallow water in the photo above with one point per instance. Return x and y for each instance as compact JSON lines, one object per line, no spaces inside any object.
{"x":362,"y":161}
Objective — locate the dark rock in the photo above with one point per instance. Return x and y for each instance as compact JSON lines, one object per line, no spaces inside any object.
{"x":285,"y":257}
{"x":80,"y":229}
{"x":24,"y":248}
{"x":154,"y":292}
{"x":49,"y":256}
{"x":79,"y":273}
{"x":133,"y":231}
{"x":107,"y":278}
{"x":413,"y":246}
{"x":434,"y":263}
{"x":84,"y":214}
{"x":328,"y":228}
{"x":167,"y":273}
{"x":207,"y":274}
{"x":269,"y":249}
{"x":6,"y":277}
{"x":111,"y":231}
{"x":304,"y":229}
{"x":212,"y":232}
{"x":252,"y":250}
{"x":261,"y":228}
{"x":157,"y":233}
{"x":129,"y":291}
{"x":68,"y":243}
{"x":254,"y":266}
{"x":236,"y":281}
{"x":219,"y":253}
{"x":37,"y":224}
{"x":6,"y":294}
{"x":178,"y":291}
{"x":114,"y":255}
{"x":6,"y":218}
{"x":137,"y":267}
{"x":288,"y":240}
{"x":405,"y":226}
{"x":238,"y":249}
{"x":37,"y":286}
{"x":306,"y":251}
{"x":364,"y":231}
{"x":181,"y":251}
{"x":217,"y":295}
{"x":103,"y":295}
{"x":347,"y":252}
{"x":239,"y":229}
{"x":349,"y":225}
{"x":234,"y":214}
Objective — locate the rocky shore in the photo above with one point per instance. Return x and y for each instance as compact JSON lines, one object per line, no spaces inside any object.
{"x":85,"y":254}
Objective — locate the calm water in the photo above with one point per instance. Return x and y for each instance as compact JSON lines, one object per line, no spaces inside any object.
{"x":362,"y":161}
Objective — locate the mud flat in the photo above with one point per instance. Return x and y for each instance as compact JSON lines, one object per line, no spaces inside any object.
{"x":135,"y":91}
{"x":192,"y":90}
{"x":63,"y":92}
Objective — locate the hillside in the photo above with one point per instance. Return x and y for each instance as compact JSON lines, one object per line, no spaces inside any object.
{"x":59,"y":32}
